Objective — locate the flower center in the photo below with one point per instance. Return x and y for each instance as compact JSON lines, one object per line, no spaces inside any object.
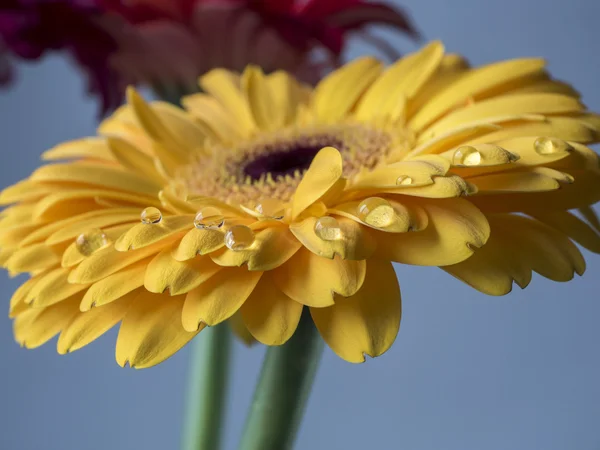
{"x":271,"y":165}
{"x":281,"y":163}
{"x":284,"y":157}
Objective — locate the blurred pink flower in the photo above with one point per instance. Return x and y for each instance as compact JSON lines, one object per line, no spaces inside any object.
{"x":167,"y":44}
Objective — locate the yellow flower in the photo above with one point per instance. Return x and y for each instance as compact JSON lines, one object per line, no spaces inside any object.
{"x":263,"y":197}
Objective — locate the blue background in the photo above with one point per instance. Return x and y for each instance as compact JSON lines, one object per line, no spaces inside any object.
{"x":467,"y":371}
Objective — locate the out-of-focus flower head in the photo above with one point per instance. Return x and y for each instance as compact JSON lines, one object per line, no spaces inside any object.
{"x":31,"y":28}
{"x":168,"y":44}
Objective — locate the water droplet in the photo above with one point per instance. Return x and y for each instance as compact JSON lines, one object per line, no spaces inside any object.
{"x":549,"y":146}
{"x":151,"y":215}
{"x":91,"y":241}
{"x":239,"y":237}
{"x":376,"y":212}
{"x":404,"y":180}
{"x":328,"y":229}
{"x":209,"y":218}
{"x":466,"y":156}
{"x":271,"y":208}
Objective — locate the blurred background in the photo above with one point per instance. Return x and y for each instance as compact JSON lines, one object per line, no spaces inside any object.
{"x":466,"y":372}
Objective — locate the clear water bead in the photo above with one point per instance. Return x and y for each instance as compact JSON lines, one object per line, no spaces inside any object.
{"x":404,"y":180}
{"x":271,"y":208}
{"x":91,"y":241}
{"x":550,"y":146}
{"x":151,"y":215}
{"x":209,"y":218}
{"x":239,"y":237}
{"x":466,"y":156}
{"x":376,"y":212}
{"x":328,"y":228}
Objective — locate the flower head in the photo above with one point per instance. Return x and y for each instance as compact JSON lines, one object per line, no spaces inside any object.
{"x":167,"y":44}
{"x":31,"y":28}
{"x":265,"y":196}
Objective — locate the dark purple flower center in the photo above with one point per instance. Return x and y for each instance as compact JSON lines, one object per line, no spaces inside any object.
{"x":287,"y":160}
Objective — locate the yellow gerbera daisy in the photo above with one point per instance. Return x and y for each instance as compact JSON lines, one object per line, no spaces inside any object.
{"x":264,"y":197}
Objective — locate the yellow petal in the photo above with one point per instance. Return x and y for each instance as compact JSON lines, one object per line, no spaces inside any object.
{"x":507,"y":105}
{"x":547,"y":86}
{"x":518,"y":246}
{"x":142,"y":234}
{"x":442,"y":187}
{"x":52,"y":288}
{"x":323,"y":173}
{"x":286,"y":96}
{"x":212,"y":115}
{"x":405,"y":218}
{"x":582,"y":192}
{"x":451,"y":68}
{"x":93,"y":148}
{"x":179,"y":277}
{"x":44,"y":231}
{"x":35,"y":327}
{"x":88,"y":326}
{"x":70,"y":231}
{"x":272,"y":247}
{"x":590,"y":215}
{"x":431,"y":144}
{"x":225,"y":87}
{"x":173,"y":203}
{"x":236,"y":323}
{"x":480,"y":82}
{"x":12,"y":237}
{"x":218,"y":298}
{"x":24,"y":191}
{"x":67,"y":204}
{"x":33,"y":258}
{"x":17,"y":301}
{"x":115,"y":286}
{"x":415,"y":172}
{"x":199,"y":242}
{"x":133,"y":159}
{"x":167,"y":146}
{"x":572,"y":226}
{"x":566,"y":128}
{"x":454,"y":229}
{"x":97,"y":175}
{"x":400,"y":81}
{"x":189,"y":135}
{"x":314,"y":280}
{"x":72,"y":256}
{"x":151,"y":331}
{"x":270,"y":315}
{"x":539,"y":179}
{"x":260,"y":98}
{"x":354,"y":242}
{"x":492,"y":268}
{"x":108,"y":261}
{"x":337,"y":93}
{"x":366,"y":323}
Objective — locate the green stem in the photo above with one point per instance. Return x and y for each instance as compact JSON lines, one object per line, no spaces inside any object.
{"x":283,"y":390}
{"x":205,"y":395}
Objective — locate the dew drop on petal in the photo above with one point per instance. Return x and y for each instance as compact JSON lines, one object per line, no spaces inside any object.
{"x":271,"y":208}
{"x":404,"y":180}
{"x":328,"y":228}
{"x":466,"y":156}
{"x":209,"y":218}
{"x":549,"y":146}
{"x":239,"y":237}
{"x":376,"y":212}
{"x":91,"y":241}
{"x":151,"y":215}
